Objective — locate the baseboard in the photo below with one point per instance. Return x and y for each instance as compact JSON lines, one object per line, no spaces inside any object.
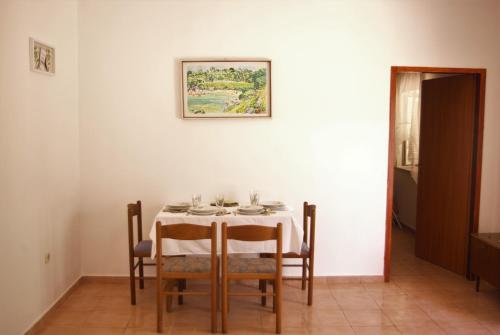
{"x":318,"y":279}
{"x":36,"y":324}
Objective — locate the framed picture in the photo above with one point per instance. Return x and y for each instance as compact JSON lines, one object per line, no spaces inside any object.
{"x":226,"y":89}
{"x":42,"y":58}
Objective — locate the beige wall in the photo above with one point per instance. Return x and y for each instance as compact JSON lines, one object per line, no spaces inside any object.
{"x":39,"y":162}
{"x":327,"y":140}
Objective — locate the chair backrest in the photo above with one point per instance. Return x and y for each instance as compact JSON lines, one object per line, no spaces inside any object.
{"x":186,"y":232}
{"x":309,"y":225}
{"x":254,"y":233}
{"x":134,"y":210}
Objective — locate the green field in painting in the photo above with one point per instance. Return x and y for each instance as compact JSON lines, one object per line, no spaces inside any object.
{"x":212,"y":102}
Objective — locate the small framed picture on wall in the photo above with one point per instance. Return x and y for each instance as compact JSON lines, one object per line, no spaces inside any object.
{"x":42,"y":58}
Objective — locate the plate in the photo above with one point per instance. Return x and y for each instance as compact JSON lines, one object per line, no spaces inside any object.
{"x":250,"y":213}
{"x":202,"y":213}
{"x":175,"y":210}
{"x":179,"y":205}
{"x":276,"y":205}
{"x":203,"y":209}
{"x":250,"y":208}
{"x":273,"y":204}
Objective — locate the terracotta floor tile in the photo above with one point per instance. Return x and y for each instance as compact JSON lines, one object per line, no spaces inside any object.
{"x":427,"y":329}
{"x":63,"y":317}
{"x":118,"y":319}
{"x":466,"y":330}
{"x":146,"y":320}
{"x":356,"y":302}
{"x":177,"y":330}
{"x":337,"y":330}
{"x":116,"y":303}
{"x":408,"y":317}
{"x":453,"y":317}
{"x":55,"y":330}
{"x":396,"y":302}
{"x":100,"y":331}
{"x":139,"y":331}
{"x":80,"y":303}
{"x":89,"y":289}
{"x":376,"y":330}
{"x":347,"y":288}
{"x":325,"y":318}
{"x":367,"y":318}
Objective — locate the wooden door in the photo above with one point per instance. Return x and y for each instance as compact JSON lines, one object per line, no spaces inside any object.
{"x":445,"y":178}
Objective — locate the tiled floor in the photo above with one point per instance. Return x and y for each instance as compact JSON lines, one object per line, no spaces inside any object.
{"x":421,"y":299}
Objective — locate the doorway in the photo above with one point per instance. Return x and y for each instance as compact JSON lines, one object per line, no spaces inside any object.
{"x":464,"y":76}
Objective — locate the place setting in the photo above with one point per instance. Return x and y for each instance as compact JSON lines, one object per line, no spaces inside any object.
{"x":199,"y":209}
{"x":221,"y":207}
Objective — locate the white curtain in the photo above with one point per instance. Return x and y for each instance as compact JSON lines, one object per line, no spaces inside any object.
{"x":408,"y":120}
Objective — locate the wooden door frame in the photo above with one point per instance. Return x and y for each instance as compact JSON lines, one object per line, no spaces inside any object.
{"x":478,"y":149}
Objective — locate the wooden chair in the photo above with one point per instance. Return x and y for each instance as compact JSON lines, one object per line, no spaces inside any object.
{"x":189,"y":267}
{"x":307,"y":251}
{"x":140,"y":250}
{"x":262,"y":269}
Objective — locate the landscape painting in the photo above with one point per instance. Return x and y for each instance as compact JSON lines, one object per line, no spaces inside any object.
{"x":226,"y":89}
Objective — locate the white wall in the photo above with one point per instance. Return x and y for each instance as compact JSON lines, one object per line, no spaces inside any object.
{"x":327,"y":140}
{"x":39,"y":162}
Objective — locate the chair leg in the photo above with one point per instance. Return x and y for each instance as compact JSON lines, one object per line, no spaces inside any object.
{"x":180,"y":288}
{"x":141,"y":274}
{"x":168,"y":297}
{"x":159,"y":308}
{"x":304,"y":273}
{"x":310,"y":284}
{"x":218,"y":289}
{"x":279,"y":299}
{"x":213,"y":300}
{"x":274,"y":296}
{"x":132,"y":281}
{"x":224,"y":305}
{"x":263,"y":289}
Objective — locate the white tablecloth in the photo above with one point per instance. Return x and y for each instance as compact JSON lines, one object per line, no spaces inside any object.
{"x":292,"y":233}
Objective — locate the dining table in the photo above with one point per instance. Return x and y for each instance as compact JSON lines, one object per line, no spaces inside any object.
{"x":292,"y":232}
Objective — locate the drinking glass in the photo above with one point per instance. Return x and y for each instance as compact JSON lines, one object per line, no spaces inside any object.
{"x":219,"y":201}
{"x":196,"y":200}
{"x":254,"y":198}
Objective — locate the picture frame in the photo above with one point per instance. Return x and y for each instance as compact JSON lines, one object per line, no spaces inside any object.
{"x":226,"y":89}
{"x":42,"y":57}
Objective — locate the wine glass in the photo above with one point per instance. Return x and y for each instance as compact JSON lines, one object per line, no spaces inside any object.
{"x":196,"y":198}
{"x":219,"y":201}
{"x":254,"y":198}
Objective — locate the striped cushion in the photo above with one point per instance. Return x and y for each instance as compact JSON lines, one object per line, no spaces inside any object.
{"x":187,"y":264}
{"x":251,"y":265}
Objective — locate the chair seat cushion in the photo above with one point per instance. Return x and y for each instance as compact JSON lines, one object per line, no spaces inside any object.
{"x":187,"y":264}
{"x":143,"y":249}
{"x":251,"y":265}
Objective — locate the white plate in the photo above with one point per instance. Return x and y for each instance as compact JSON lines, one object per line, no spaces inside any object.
{"x":179,"y":205}
{"x":202,"y":213}
{"x":203,"y":209}
{"x":273,"y":204}
{"x":250,"y":208}
{"x":175,"y":210}
{"x":250,"y":213}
